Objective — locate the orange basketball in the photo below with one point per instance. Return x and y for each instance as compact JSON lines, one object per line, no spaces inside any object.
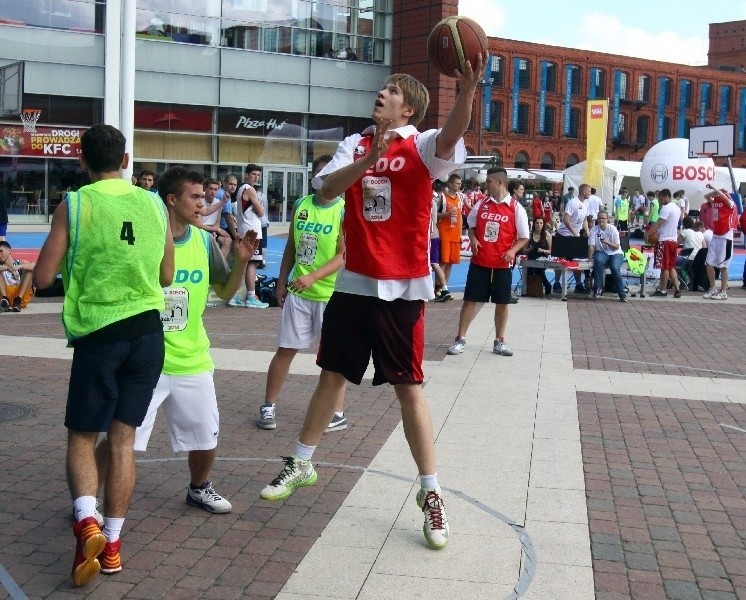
{"x":652,"y":235}
{"x":453,"y":41}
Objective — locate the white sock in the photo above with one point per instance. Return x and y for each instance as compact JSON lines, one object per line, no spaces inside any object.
{"x":112,"y":528}
{"x":429,"y":482}
{"x":250,"y":294}
{"x":85,"y":506}
{"x":303,"y":452}
{"x":339,"y":414}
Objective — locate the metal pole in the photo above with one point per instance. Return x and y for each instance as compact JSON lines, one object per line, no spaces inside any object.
{"x":112,"y":61}
{"x":127,"y":81}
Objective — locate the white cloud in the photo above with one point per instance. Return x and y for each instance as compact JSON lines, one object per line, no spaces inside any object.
{"x":607,"y":33}
{"x":490,"y":14}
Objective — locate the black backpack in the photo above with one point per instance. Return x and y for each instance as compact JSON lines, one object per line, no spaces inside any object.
{"x":266,"y":289}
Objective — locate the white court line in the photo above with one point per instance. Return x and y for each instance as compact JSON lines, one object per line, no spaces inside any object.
{"x":732,"y":427}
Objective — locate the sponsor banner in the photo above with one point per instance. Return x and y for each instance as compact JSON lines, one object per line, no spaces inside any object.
{"x":684,"y":87}
{"x":617,"y":99}
{"x":597,"y":112}
{"x":568,"y":99}
{"x":704,"y":98}
{"x":487,"y":104}
{"x":516,"y":93}
{"x":741,"y":140}
{"x":543,"y":95}
{"x":593,"y":88}
{"x":661,"y":107}
{"x":45,"y":142}
{"x":724,"y":104}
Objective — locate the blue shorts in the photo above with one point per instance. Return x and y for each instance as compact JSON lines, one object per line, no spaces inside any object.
{"x":113,"y":380}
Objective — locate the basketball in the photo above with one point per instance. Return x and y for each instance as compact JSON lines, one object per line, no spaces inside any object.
{"x":651,"y":236}
{"x":453,"y":41}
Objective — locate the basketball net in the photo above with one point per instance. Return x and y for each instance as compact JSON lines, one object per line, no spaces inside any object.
{"x":703,"y":157}
{"x":29,"y":117}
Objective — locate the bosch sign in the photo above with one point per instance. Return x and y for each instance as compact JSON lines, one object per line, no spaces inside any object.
{"x":693,"y":173}
{"x":667,"y":165}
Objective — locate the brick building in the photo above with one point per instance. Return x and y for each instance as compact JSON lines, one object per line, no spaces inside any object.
{"x":533,"y":113}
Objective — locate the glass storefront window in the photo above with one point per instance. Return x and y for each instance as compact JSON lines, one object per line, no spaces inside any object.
{"x":66,"y":110}
{"x":77,"y":15}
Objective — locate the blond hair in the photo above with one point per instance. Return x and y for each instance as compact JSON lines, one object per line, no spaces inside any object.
{"x":415,"y":95}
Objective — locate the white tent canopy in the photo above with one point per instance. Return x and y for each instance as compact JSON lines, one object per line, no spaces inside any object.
{"x":618,"y":173}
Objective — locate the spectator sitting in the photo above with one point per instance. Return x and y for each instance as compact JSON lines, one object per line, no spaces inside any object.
{"x":690,"y":239}
{"x":16,"y":287}
{"x":540,"y":246}
{"x":605,"y":250}
{"x":350,"y":54}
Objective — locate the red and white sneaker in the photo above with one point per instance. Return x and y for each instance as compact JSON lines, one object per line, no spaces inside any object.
{"x":436,"y":524}
{"x":90,"y":543}
{"x":110,"y":560}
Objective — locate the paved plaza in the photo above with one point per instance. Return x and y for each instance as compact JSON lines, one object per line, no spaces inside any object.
{"x":605,"y":459}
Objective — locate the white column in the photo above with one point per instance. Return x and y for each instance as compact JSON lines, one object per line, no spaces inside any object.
{"x":127,"y":78}
{"x":112,"y":62}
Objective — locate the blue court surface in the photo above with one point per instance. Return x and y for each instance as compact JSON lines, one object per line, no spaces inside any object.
{"x":276,"y":245}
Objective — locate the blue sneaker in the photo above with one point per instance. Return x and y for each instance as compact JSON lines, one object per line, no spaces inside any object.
{"x":236,"y":301}
{"x":254,"y":302}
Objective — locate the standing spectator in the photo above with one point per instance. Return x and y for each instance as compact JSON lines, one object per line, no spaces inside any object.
{"x":308,"y":271}
{"x":575,"y":224}
{"x":637,"y":210}
{"x":621,"y":210}
{"x":537,"y":207}
{"x":565,"y":199}
{"x":498,"y":229}
{"x":111,"y":315}
{"x":16,"y":278}
{"x":210,"y":212}
{"x":146,"y":180}
{"x":449,"y":227}
{"x":556,"y":201}
{"x":595,"y":204}
{"x":720,"y":248}
{"x":683,"y":202}
{"x":378,"y":303}
{"x":667,"y":247}
{"x":605,"y":250}
{"x":540,"y":246}
{"x":227,"y":220}
{"x":471,"y":197}
{"x":517,"y":190}
{"x":705,"y":212}
{"x":547,"y":210}
{"x":653,"y":211}
{"x":440,"y":278}
{"x":249,"y":211}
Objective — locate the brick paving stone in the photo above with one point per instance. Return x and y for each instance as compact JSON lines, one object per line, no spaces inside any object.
{"x":689,"y":506}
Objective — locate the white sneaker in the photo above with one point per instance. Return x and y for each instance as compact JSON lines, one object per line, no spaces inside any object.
{"x":206,"y":497}
{"x":297,"y":473}
{"x":236,"y":301}
{"x":254,"y":302}
{"x":710,"y":294}
{"x":457,"y":347}
{"x":721,"y":295}
{"x":267,"y":417}
{"x":501,"y":348}
{"x":436,"y":524}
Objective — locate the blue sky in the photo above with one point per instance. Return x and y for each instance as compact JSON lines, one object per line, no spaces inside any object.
{"x":669,"y":30}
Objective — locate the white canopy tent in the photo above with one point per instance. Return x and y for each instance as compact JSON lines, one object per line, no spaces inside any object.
{"x":618,"y":173}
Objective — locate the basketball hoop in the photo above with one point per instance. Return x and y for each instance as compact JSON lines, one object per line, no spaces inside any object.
{"x":29,"y":117}
{"x":704,"y":156}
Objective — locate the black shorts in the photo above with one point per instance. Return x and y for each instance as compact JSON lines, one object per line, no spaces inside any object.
{"x":113,"y":381}
{"x":356,"y":327}
{"x":484,"y":284}
{"x":265,"y":233}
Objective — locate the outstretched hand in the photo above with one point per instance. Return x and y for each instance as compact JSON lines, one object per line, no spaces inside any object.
{"x":247,"y":246}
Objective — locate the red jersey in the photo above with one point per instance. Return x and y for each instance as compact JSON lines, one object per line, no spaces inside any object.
{"x":548,"y":211}
{"x":496,"y":231}
{"x":387,"y":219}
{"x":723,"y":216}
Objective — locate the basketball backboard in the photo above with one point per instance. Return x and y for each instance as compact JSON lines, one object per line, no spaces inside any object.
{"x":712,"y":140}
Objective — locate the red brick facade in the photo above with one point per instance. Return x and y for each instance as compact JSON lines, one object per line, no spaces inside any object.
{"x":413,"y":21}
{"x":727,"y":45}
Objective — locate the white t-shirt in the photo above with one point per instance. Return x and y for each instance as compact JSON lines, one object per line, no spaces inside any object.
{"x":684,"y":204}
{"x":692,"y":239}
{"x":668,"y":232}
{"x":594,"y":206}
{"x":211,"y":219}
{"x":610,"y":234}
{"x":578,"y":211}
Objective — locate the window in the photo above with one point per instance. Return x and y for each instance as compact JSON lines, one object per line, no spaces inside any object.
{"x":551,"y":82}
{"x":622,"y":127}
{"x":574,"y":123}
{"x":597,"y":84}
{"x":643,"y":88}
{"x":496,"y":117}
{"x":524,"y":74}
{"x":521,"y":160}
{"x":498,"y":156}
{"x":66,"y":110}
{"x":666,"y":128}
{"x":549,"y":121}
{"x":547,"y":161}
{"x":497,"y":71}
{"x":665,"y":91}
{"x":523,"y":112}
{"x":643,"y":130}
{"x":78,"y":15}
{"x":572,"y":159}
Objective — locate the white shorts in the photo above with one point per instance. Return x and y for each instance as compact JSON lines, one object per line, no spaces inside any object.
{"x":301,"y":322}
{"x":191,"y":411}
{"x":719,"y":252}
